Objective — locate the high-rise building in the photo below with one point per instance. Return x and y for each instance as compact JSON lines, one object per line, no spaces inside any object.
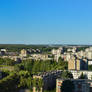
{"x":78,"y":64}
{"x":57,"y":53}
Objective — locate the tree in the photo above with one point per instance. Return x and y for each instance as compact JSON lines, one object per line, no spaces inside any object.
{"x":19,"y":67}
{"x":5,"y":73}
{"x":60,"y":59}
{"x":82,"y":76}
{"x":34,"y":82}
{"x":67,"y":86}
{"x":62,"y":65}
{"x":66,"y":75}
{"x":6,"y":61}
{"x":30,"y":83}
{"x":36,"y":67}
{"x":9,"y":62}
{"x":90,"y":67}
{"x":40,"y":83}
{"x":9,"y":83}
{"x":28,"y":65}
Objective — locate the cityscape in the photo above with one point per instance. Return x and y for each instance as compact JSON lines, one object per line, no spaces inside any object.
{"x":40,"y":68}
{"x":45,"y":46}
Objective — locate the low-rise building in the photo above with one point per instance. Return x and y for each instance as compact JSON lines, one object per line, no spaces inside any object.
{"x":40,"y":57}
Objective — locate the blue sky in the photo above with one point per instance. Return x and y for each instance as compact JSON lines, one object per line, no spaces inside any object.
{"x":46,"y":21}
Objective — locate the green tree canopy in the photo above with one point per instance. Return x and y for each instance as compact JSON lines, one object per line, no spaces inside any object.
{"x":82,"y":76}
{"x":66,"y":75}
{"x":90,"y":67}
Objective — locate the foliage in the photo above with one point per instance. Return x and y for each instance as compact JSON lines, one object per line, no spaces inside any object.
{"x":82,"y":48}
{"x":24,"y":71}
{"x":25,"y":79}
{"x":66,"y":75}
{"x":67,"y":86}
{"x":90,"y":67}
{"x":60,"y":59}
{"x":41,"y":66}
{"x":9,"y":83}
{"x":5,"y":73}
{"x":54,"y":90}
{"x":18,"y":47}
{"x":82,"y":76}
{"x":62,"y":65}
{"x":19,"y":67}
{"x":6,"y":61}
{"x":38,"y":83}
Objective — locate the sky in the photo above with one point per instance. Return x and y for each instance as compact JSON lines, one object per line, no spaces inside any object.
{"x":45,"y":21}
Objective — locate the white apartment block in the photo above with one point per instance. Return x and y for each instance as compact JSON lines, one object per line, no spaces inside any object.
{"x":76,"y":74}
{"x":90,"y":62}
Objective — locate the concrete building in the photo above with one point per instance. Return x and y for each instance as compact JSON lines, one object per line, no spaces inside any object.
{"x":73,"y":49}
{"x":80,"y":54}
{"x":57,"y":53}
{"x":89,"y":55}
{"x":89,"y":62}
{"x":3,"y":51}
{"x":76,"y":74}
{"x":79,"y":84}
{"x":40,"y":57}
{"x":78,"y":64}
{"x":49,"y":79}
{"x":66,"y":56}
{"x":23,"y":53}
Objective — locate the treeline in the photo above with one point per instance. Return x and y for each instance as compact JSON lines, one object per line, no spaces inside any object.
{"x":22,"y":80}
{"x":9,"y":83}
{"x":18,"y":47}
{"x":22,"y":77}
{"x":82,"y":48}
{"x":36,"y":67}
{"x":6,"y":61}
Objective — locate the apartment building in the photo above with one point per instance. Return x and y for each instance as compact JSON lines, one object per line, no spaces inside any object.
{"x":49,"y":79}
{"x":76,"y":74}
{"x":78,"y":64}
{"x":80,"y":85}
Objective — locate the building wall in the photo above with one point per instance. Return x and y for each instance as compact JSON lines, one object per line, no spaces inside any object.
{"x":49,"y":80}
{"x":23,"y":53}
{"x":77,"y":64}
{"x":71,"y":65}
{"x":76,"y":74}
{"x":80,"y":85}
